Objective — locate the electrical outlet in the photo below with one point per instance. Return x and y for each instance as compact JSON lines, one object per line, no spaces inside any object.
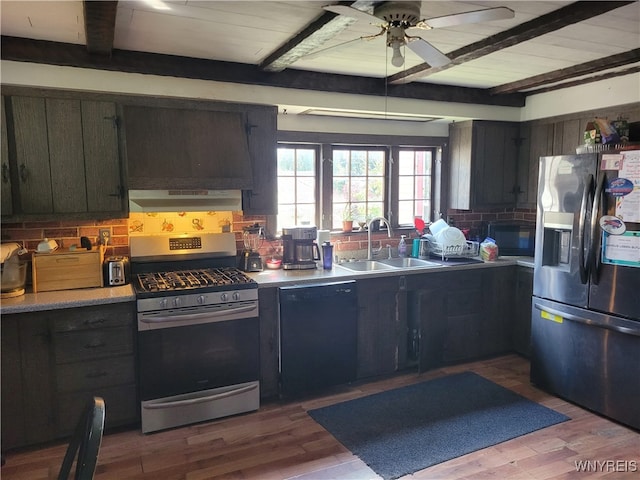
{"x":105,"y":236}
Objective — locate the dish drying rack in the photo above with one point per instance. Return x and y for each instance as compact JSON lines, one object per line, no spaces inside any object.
{"x":470,"y":249}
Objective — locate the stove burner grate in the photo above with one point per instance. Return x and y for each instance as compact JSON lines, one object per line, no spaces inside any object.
{"x":191,"y":279}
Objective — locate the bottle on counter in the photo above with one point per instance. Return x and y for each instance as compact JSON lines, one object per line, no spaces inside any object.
{"x":402,"y":247}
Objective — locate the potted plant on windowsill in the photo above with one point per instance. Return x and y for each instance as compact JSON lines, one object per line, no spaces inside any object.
{"x":347,"y":218}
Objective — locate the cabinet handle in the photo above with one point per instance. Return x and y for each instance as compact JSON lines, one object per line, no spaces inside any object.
{"x":5,"y":173}
{"x":94,"y":321}
{"x":115,"y":120}
{"x":91,"y":346}
{"x":24,"y":174}
{"x":119,"y":193}
{"x":96,"y":374}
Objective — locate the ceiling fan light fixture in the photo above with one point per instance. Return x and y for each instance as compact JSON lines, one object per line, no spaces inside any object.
{"x":397,"y":60}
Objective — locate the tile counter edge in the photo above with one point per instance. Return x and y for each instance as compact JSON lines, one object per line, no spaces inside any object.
{"x":37,"y":302}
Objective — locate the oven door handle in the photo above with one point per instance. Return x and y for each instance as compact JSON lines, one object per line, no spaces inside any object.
{"x":192,"y":401}
{"x":178,"y":317}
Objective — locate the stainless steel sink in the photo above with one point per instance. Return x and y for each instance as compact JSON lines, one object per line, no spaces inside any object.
{"x":408,"y":262}
{"x":365,"y":266}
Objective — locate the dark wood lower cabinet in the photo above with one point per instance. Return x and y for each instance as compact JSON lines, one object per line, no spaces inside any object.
{"x":521,"y":335}
{"x":269,"y":342}
{"x":54,"y":361}
{"x":379,"y":327}
{"x":462,"y":315}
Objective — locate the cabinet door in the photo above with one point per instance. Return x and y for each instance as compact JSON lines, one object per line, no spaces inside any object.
{"x":378,"y":331}
{"x":5,"y":185}
{"x":269,"y":342}
{"x":13,"y":415}
{"x":498,"y":289}
{"x":495,"y":158}
{"x":521,"y":334}
{"x":460,"y":141}
{"x":102,"y":166}
{"x":262,"y":198}
{"x":66,"y":158}
{"x":37,"y":378}
{"x":32,"y":154}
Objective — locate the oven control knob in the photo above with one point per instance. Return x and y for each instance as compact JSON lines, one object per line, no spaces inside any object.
{"x":201,"y":300}
{"x":224,"y":297}
{"x":177,"y":301}
{"x":236,"y":295}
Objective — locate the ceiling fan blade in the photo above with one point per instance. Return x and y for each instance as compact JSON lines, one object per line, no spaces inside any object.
{"x":355,"y":13}
{"x":476,"y":16}
{"x":428,"y":52}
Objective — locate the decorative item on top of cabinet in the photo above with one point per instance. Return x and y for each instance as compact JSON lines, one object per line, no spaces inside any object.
{"x":68,"y":144}
{"x":483,"y":162}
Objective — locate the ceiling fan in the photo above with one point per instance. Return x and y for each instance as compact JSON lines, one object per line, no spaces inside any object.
{"x":396,"y":18}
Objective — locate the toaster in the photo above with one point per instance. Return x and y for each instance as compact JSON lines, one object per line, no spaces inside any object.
{"x":116,"y":271}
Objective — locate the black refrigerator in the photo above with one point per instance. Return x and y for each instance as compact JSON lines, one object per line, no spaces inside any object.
{"x":585,"y":321}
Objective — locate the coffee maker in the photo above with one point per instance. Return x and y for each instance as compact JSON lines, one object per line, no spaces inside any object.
{"x":300,"y":250}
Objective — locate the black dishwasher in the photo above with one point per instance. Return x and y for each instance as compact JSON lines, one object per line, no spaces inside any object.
{"x":318,"y":336}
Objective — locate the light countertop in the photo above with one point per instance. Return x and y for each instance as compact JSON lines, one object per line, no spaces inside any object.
{"x":34,"y":302}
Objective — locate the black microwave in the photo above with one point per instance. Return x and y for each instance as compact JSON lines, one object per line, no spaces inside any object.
{"x":513,"y":239}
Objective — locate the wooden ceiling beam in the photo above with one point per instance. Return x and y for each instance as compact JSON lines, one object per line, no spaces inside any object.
{"x":550,"y":22}
{"x":66,"y":54}
{"x":582,"y":81}
{"x":316,"y":34}
{"x":100,"y":25}
{"x":594,"y":66}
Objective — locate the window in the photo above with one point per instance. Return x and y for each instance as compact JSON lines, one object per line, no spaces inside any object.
{"x":358,"y":184}
{"x":297,"y":198}
{"x":415,"y":181}
{"x":363,"y":181}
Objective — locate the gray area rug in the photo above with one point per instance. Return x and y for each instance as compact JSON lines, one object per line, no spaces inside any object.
{"x":411,"y":428}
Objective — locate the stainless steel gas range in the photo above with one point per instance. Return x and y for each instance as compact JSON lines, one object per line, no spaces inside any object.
{"x":198,"y":330}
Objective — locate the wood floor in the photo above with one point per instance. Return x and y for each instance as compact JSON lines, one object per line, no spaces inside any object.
{"x":281,"y":441}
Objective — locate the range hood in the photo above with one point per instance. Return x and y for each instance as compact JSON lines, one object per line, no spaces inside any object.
{"x":184,"y":200}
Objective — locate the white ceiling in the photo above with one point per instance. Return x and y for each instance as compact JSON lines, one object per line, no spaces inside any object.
{"x":249,"y":31}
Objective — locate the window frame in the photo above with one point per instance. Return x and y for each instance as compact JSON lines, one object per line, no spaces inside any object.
{"x":317,"y":173}
{"x":324,"y":178}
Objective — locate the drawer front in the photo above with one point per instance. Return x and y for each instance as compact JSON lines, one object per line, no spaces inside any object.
{"x":93,"y":344}
{"x":95,"y":374}
{"x":91,"y":318}
{"x":121,"y":407}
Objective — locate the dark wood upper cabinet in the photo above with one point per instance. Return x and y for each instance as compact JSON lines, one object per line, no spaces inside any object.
{"x":187,"y":148}
{"x":5,"y":181}
{"x":62,"y":158}
{"x":483,"y":164}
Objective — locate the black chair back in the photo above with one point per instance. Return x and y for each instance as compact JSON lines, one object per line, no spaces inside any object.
{"x":85,"y":443}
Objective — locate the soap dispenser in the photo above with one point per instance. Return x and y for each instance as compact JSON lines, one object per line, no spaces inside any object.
{"x":402,"y":247}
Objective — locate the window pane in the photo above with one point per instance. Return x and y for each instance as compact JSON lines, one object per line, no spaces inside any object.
{"x":376,"y":189}
{"x":405,"y":163}
{"x":340,"y":189}
{"x":405,"y":188}
{"x":306,"y":163}
{"x":286,"y":190}
{"x":360,"y":181}
{"x":306,"y":190}
{"x":296,"y":186}
{"x":340,"y":162}
{"x":414,"y":185}
{"x":286,"y":161}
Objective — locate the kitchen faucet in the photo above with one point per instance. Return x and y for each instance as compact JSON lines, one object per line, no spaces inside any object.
{"x":382,"y":219}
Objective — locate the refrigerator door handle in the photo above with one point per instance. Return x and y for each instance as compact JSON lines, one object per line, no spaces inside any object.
{"x":594,"y":247}
{"x":588,"y":321}
{"x":583,"y":263}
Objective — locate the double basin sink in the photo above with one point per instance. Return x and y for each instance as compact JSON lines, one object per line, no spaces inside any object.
{"x":388,"y":264}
